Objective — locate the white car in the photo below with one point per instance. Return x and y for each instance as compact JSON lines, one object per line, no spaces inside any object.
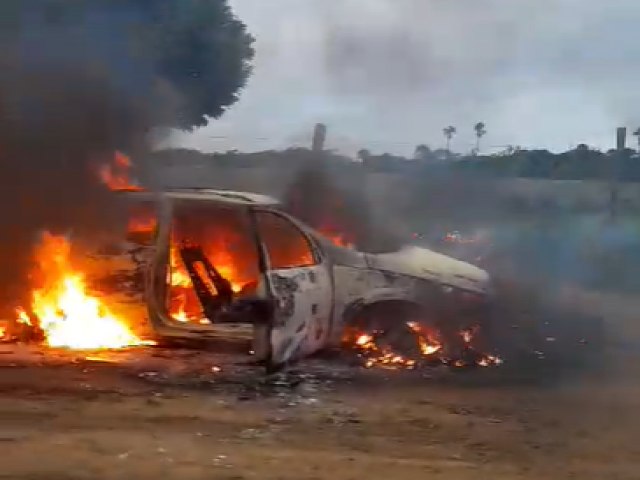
{"x":215,"y":260}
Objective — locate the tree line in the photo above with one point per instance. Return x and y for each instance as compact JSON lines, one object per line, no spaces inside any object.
{"x":579,"y":163}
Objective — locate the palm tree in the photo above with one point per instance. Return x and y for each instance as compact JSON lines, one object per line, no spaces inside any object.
{"x":637,"y":134}
{"x":449,"y":132}
{"x":481,"y":131}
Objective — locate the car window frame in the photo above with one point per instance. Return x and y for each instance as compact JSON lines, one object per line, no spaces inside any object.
{"x":318,"y":258}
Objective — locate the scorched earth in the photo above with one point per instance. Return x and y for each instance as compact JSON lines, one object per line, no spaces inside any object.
{"x":153,"y":413}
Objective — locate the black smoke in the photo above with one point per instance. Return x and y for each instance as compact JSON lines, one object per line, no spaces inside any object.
{"x":340,"y":211}
{"x":82,"y":79}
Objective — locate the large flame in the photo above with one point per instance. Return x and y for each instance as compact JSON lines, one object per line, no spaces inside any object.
{"x":115,"y":175}
{"x":184,"y":305}
{"x":182,"y":294}
{"x":66,"y":314}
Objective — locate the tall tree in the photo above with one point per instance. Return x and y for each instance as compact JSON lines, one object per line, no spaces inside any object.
{"x":481,"y":131}
{"x":422,"y":152}
{"x":175,"y":63}
{"x":364,"y":155}
{"x":449,"y":132}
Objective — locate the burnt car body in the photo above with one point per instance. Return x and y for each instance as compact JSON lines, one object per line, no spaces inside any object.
{"x":288,"y":286}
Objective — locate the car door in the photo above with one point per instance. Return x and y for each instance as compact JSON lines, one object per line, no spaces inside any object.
{"x":205,"y":272}
{"x":301,"y":285}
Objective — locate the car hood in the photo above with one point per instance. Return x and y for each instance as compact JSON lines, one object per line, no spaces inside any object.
{"x":424,"y":263}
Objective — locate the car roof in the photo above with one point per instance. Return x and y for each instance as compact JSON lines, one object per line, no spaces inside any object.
{"x":208,"y":194}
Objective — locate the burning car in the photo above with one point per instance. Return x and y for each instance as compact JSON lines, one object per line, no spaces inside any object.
{"x":216,"y":264}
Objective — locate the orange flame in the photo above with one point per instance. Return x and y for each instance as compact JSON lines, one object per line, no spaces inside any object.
{"x":339,"y":236}
{"x":23,"y":317}
{"x":115,"y":175}
{"x":184,"y":305}
{"x":67,"y":315}
{"x":339,"y":240}
{"x":142,"y":224}
{"x":180,"y":315}
{"x":431,"y":349}
{"x":383,"y":356}
{"x":427,"y":342}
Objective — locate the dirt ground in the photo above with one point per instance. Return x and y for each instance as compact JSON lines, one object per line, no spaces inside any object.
{"x":169,"y":414}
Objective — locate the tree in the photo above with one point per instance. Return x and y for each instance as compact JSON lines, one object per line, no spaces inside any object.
{"x":582,"y":148}
{"x":449,"y":132}
{"x":364,"y":155}
{"x":422,"y":153}
{"x":201,"y":50}
{"x":637,"y":135}
{"x":509,"y":150}
{"x":481,"y":131}
{"x":82,"y":79}
{"x":172,"y":63}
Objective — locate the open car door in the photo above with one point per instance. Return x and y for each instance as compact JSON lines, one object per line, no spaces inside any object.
{"x":225,"y":269}
{"x":301,"y":286}
{"x":206,"y":280}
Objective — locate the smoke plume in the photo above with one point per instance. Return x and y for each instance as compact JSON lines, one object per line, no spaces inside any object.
{"x":340,"y":212}
{"x":81,"y":80}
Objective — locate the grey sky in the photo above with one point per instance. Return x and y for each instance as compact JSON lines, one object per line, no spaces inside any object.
{"x":389,"y":74}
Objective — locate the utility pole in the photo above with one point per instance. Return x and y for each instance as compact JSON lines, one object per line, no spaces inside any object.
{"x":621,"y":140}
{"x":319,"y":137}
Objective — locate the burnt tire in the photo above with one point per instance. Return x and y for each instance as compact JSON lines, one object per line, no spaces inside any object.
{"x":389,"y":323}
